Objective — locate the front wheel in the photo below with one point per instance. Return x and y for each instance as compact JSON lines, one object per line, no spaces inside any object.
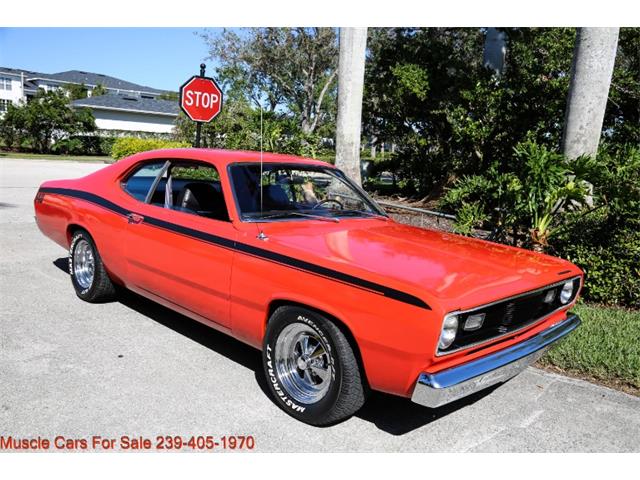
{"x":311,"y":368}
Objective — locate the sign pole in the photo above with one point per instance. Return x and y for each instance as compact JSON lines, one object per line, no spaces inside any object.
{"x":199,"y":124}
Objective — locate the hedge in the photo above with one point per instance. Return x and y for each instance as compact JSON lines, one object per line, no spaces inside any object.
{"x":125,"y":146}
{"x":84,"y":145}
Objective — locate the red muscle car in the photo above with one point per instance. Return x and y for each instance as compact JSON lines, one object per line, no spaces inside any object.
{"x":290,"y":256}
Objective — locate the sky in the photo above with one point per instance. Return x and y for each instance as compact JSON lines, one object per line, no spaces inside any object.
{"x":162,"y":58}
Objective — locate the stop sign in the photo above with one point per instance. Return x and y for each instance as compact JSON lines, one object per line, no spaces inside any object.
{"x":201,"y":98}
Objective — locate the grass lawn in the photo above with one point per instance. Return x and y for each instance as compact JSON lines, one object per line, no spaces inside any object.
{"x":51,"y":156}
{"x":604,"y":349}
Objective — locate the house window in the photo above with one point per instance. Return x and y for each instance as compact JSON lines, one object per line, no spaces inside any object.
{"x":5,"y":83}
{"x":4,"y":105}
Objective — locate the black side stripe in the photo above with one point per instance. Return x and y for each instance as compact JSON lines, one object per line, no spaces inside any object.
{"x":249,"y":249}
{"x":89,"y":197}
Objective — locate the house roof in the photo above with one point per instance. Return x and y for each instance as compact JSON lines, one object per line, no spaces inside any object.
{"x":18,"y":71}
{"x":30,"y":86}
{"x":25,"y":74}
{"x":129,"y":104}
{"x":88,"y":78}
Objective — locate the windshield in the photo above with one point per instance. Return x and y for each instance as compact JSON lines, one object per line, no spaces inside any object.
{"x":298,"y":192}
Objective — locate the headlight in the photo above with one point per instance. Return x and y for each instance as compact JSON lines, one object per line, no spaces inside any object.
{"x":449,"y":331}
{"x":566,"y":293}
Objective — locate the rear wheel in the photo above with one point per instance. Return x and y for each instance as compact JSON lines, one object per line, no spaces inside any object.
{"x":88,"y":275}
{"x":311,"y":368}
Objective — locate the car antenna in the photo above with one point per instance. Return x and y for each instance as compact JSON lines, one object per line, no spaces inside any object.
{"x":261,"y":234}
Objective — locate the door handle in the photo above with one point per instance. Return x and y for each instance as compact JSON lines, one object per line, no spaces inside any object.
{"x":134,"y":218}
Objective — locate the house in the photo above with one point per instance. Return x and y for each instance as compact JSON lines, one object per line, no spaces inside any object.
{"x":124,"y":113}
{"x":126,"y":107}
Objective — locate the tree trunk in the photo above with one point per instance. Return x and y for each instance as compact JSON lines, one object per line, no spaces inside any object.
{"x":353,"y":43}
{"x":494,"y":50}
{"x":593,"y":59}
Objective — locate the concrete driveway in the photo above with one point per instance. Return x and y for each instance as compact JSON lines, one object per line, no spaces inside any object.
{"x":134,"y":368}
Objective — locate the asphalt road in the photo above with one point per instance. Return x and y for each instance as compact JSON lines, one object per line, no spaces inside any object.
{"x":134,"y":368}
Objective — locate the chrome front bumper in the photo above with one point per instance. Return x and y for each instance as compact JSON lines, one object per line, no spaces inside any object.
{"x":436,"y":389}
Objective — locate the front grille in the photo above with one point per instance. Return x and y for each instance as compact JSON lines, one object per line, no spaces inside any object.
{"x":509,"y":315}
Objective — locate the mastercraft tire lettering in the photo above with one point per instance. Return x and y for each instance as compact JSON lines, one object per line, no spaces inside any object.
{"x":311,"y":369}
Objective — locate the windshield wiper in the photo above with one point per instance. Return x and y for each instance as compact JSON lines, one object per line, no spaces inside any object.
{"x":363,"y":212}
{"x":300,"y":214}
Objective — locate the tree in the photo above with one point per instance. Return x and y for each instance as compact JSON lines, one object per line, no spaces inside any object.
{"x":353,"y":43}
{"x":99,"y":89}
{"x":427,"y":91}
{"x":280,"y":68}
{"x":413,"y":80}
{"x":494,"y":50}
{"x":593,"y":60}
{"x":46,"y":118}
{"x":76,"y":91}
{"x":622,"y":115}
{"x":237,"y":127}
{"x":171,"y":96}
{"x":13,"y":126}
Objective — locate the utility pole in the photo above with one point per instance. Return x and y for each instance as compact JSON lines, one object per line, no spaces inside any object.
{"x":593,"y":59}
{"x":353,"y":44}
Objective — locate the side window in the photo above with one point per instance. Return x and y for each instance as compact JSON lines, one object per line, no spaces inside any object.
{"x":195,"y":189}
{"x":138,"y":184}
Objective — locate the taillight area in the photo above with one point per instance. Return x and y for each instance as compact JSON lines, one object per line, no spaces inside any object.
{"x":40,"y":197}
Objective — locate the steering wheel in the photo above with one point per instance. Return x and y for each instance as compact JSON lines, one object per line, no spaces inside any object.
{"x":328,"y":200}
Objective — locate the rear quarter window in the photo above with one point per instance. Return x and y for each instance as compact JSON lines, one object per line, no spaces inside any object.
{"x":139,"y":182}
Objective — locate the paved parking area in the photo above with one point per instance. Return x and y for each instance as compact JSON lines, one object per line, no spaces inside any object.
{"x":135,"y":368}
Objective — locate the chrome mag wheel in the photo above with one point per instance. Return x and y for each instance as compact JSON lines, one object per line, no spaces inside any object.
{"x":302,"y":363}
{"x":83,"y":264}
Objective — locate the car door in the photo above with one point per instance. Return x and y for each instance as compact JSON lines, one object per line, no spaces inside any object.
{"x":177,"y":240}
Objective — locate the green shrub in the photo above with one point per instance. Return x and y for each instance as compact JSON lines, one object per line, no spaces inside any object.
{"x":527,"y":197}
{"x":125,"y":146}
{"x":209,"y":174}
{"x":538,"y":201}
{"x":605,"y":242}
{"x":84,"y":145}
{"x":68,"y":146}
{"x":469,"y":216}
{"x":44,"y":121}
{"x":105,"y":145}
{"x":609,"y":256}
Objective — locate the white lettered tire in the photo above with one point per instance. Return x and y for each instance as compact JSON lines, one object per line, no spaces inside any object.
{"x":311,"y":368}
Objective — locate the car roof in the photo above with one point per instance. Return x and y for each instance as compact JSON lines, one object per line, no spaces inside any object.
{"x":222,"y":158}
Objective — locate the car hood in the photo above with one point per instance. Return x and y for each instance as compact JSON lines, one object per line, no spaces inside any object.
{"x":461,"y":272}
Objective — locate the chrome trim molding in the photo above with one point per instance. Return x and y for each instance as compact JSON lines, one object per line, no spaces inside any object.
{"x":437,"y":389}
{"x":567,"y":306}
